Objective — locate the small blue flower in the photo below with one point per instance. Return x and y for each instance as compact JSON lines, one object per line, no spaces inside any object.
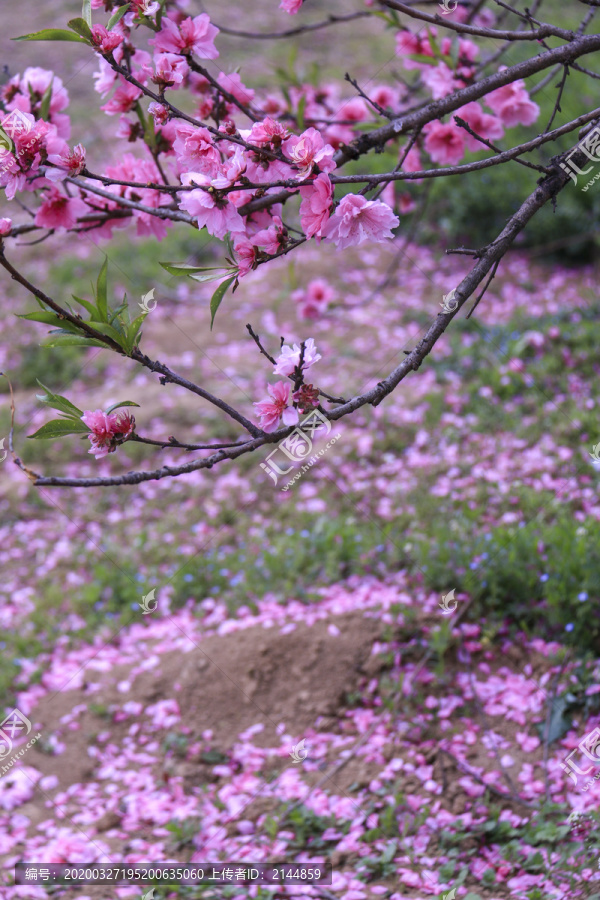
{"x":544,"y":577}
{"x":569,"y":627}
{"x":188,"y":577}
{"x":473,"y":565}
{"x":304,"y":533}
{"x":485,"y":555}
{"x":582,"y":596}
{"x":289,"y":530}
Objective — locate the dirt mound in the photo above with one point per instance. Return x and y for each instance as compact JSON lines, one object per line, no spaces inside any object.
{"x":226,"y":684}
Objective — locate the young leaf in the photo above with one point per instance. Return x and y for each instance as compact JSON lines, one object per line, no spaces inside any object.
{"x":110,"y":331}
{"x":56,"y":401}
{"x":86,"y":11}
{"x":217,"y":276}
{"x":94,"y":314}
{"x":117,"y":16}
{"x":81,"y":27}
{"x":101,"y":294}
{"x":59,"y":428}
{"x":45,"y":104}
{"x":183,"y":269}
{"x":119,"y":405}
{"x":50,"y":34}
{"x":49,"y":318}
{"x":63,"y":339}
{"x":133,"y":331}
{"x":300,"y":112}
{"x":217,"y":297}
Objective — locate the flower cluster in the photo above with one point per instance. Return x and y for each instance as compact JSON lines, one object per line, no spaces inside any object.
{"x":291,"y":362}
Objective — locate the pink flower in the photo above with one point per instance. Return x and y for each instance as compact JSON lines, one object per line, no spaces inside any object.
{"x":406,"y":203}
{"x":190,"y":36}
{"x":267,"y":132}
{"x":291,"y":6}
{"x":440,"y":80}
{"x":272,"y":238}
{"x":289,"y":358}
{"x":385,"y":96}
{"x":315,"y":208}
{"x":146,"y":7}
{"x":5,"y":226}
{"x":315,"y":299}
{"x":357,"y":220}
{"x":409,"y":44}
{"x":65,"y":161}
{"x":489,"y":127}
{"x":123,"y":100}
{"x":234,"y":85}
{"x":159,"y":113}
{"x":170,"y":70}
{"x":218,"y":216}
{"x":195,"y":150}
{"x":106,"y":41}
{"x":245,"y":254}
{"x":59,"y":211}
{"x":309,"y":150}
{"x":444,"y":143}
{"x":18,"y":787}
{"x":107,"y":430}
{"x":271,"y":411}
{"x":101,"y":428}
{"x":512,"y":104}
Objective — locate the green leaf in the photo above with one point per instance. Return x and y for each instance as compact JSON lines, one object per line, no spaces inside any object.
{"x":133,"y":331}
{"x":81,"y":27}
{"x":57,"y":401}
{"x":560,"y":721}
{"x":119,"y":405}
{"x":116,"y":17}
{"x":63,"y":339}
{"x":217,"y":297}
{"x":300,"y":112}
{"x":217,"y":276}
{"x":50,"y":34}
{"x":45,"y":104}
{"x":59,"y":428}
{"x":101,"y":294}
{"x":179,"y":269}
{"x":110,"y":331}
{"x":49,"y":318}
{"x":94,"y":313}
{"x":86,"y":11}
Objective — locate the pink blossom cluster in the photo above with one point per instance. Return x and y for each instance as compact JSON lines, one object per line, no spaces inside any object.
{"x":107,"y":430}
{"x":282,"y":404}
{"x":446,"y":143}
{"x":218,"y":168}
